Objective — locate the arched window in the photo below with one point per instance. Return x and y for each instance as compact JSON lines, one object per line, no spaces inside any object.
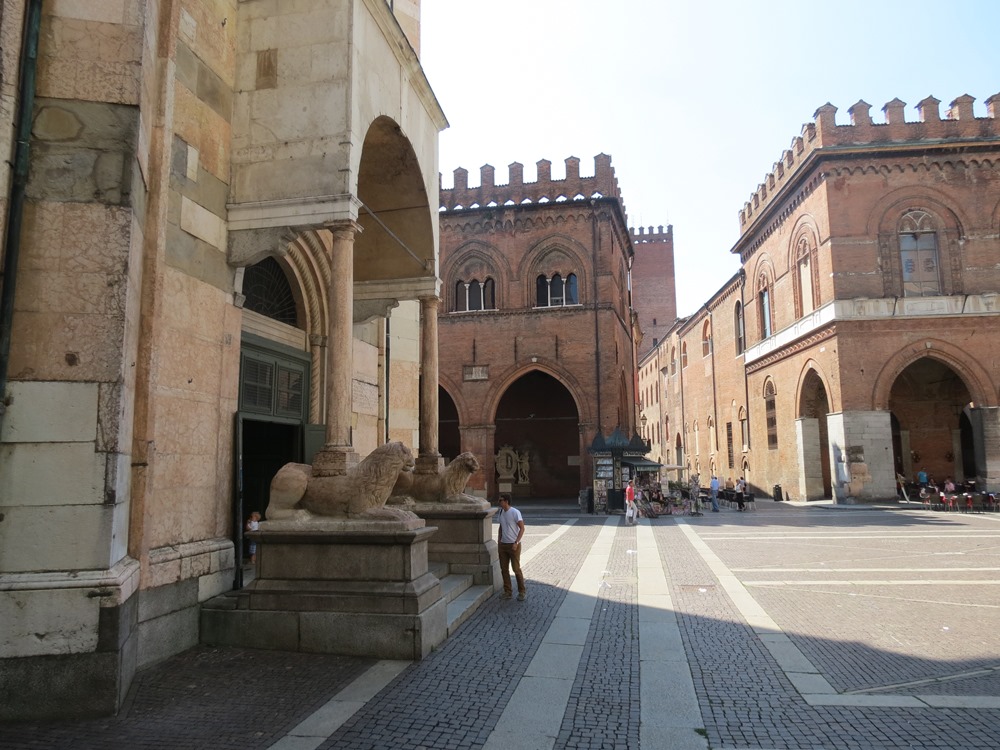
{"x":744,"y":429}
{"x":556,"y":296}
{"x":541,"y":291}
{"x":556,"y":291}
{"x":918,"y":252}
{"x":805,"y":291}
{"x":684,"y":354}
{"x":473,"y":295}
{"x":739,"y":328}
{"x":706,"y":339}
{"x":268,"y":292}
{"x":772,"y":415}
{"x":713,"y":442}
{"x":764,"y":307}
{"x":572,"y":296}
{"x":673,"y":360}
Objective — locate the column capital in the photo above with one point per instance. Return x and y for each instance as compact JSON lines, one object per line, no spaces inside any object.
{"x":344,"y":229}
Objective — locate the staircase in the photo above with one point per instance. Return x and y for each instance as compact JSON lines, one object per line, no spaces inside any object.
{"x":462,"y":596}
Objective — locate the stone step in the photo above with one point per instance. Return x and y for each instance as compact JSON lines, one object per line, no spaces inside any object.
{"x":462,"y":607}
{"x":454,"y":585}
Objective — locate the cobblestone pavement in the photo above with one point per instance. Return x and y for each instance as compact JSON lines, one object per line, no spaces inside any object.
{"x":896,"y":612}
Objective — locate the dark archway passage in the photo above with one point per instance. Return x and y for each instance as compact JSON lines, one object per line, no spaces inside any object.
{"x":538,"y":416}
{"x":449,"y":437}
{"x":813,"y":409}
{"x":928,"y":398}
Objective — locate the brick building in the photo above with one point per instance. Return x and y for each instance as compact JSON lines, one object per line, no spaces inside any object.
{"x":221,"y":228}
{"x":860,"y":338}
{"x":537,"y":333}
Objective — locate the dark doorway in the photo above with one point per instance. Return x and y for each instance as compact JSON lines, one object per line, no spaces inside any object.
{"x":449,"y":437}
{"x":815,"y":404}
{"x":537,"y":416}
{"x":267,"y":446}
{"x":929,"y":398}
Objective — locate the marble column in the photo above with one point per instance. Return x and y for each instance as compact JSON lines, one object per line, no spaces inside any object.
{"x":338,"y":455}
{"x":429,"y":460}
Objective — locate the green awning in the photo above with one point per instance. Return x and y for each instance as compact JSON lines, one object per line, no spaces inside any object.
{"x":642,"y":464}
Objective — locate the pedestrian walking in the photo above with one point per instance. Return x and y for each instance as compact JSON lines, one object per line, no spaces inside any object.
{"x":630,"y":508}
{"x":713,"y":487}
{"x":509,"y":543}
{"x":741,"y":488}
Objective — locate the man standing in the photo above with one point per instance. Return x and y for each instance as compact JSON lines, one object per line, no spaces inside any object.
{"x":509,"y":543}
{"x":714,"y":489}
{"x":630,"y":512}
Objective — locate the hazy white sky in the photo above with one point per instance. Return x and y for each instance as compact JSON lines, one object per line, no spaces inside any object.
{"x":694,"y":101}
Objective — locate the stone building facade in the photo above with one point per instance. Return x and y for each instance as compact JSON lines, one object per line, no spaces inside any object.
{"x":220,"y":255}
{"x":860,"y":338}
{"x":537,"y":342}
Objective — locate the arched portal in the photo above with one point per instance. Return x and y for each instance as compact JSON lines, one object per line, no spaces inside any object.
{"x":929,"y":399}
{"x":272,"y":426}
{"x":397,"y":240}
{"x":449,"y":437}
{"x":813,"y":439}
{"x":538,"y":418}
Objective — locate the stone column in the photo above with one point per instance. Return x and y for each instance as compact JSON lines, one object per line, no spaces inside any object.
{"x":338,"y":456}
{"x":317,"y":395}
{"x":428,"y":460}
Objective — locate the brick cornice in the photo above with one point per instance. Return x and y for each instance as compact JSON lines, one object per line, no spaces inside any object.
{"x":793,"y":348}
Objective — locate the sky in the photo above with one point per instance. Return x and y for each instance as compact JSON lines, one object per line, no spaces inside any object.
{"x":694,"y":101}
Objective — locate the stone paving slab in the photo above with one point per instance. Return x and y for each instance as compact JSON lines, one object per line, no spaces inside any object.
{"x":748,"y":700}
{"x":205,"y":698}
{"x":628,"y":690}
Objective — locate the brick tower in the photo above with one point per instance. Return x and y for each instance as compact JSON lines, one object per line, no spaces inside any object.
{"x":654,"y":296}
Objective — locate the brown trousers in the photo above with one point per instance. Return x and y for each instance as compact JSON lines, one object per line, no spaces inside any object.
{"x":510,"y":557}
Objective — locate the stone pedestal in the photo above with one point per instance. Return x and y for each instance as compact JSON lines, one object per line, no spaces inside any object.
{"x":359,"y":588}
{"x":464,"y":538}
{"x":520,"y":490}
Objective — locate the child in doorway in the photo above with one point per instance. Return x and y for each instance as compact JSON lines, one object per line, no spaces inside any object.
{"x":253,"y":524}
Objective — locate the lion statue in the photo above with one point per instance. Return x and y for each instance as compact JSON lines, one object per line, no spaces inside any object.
{"x":444,"y":487}
{"x":296,"y":494}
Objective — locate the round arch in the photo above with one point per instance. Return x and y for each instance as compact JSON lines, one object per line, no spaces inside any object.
{"x":812,"y":406}
{"x":398,"y":237}
{"x":474,"y":253}
{"x":555,"y":253}
{"x":806,"y":226}
{"x":508,"y":378}
{"x":976,"y":377}
{"x":886,"y":212}
{"x":812,"y":369}
{"x":537,"y":422}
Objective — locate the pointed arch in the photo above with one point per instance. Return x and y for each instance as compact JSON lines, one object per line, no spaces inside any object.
{"x":976,"y":377}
